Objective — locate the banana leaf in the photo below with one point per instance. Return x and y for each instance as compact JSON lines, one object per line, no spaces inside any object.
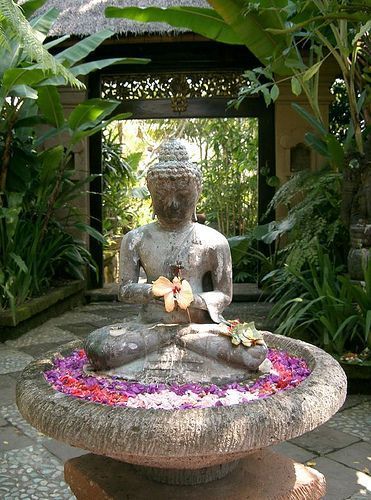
{"x":203,"y":21}
{"x":83,"y":48}
{"x":50,"y":105}
{"x":86,"y":114}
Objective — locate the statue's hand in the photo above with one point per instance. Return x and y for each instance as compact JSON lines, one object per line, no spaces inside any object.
{"x":198,"y":302}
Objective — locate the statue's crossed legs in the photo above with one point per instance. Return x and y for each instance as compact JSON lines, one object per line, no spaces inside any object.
{"x":116,"y":345}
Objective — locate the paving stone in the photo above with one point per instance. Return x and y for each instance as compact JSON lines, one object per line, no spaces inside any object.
{"x":12,"y":360}
{"x":323,"y":440}
{"x":354,"y":400}
{"x":78,"y":316}
{"x":342,"y":482}
{"x":11,"y":438}
{"x":61,"y":450}
{"x":295,"y":452}
{"x":357,"y":456}
{"x":32,"y":473}
{"x":7,"y":381}
{"x":355,"y":421}
{"x":7,"y":395}
{"x":3,"y":422}
{"x":39,"y":349}
{"x":117,"y":313}
{"x":44,"y":334}
{"x":256,"y":312}
{"x":11,"y":414}
{"x":81,"y":330}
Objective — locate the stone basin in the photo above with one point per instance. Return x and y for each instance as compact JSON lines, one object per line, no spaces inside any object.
{"x":180,"y":441}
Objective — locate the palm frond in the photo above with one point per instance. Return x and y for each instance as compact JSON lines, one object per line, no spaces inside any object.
{"x":11,"y":15}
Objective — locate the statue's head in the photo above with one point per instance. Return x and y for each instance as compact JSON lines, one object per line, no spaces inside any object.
{"x":174,"y":183}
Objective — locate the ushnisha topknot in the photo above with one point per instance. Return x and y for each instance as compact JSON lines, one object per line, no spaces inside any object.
{"x":173,"y":163}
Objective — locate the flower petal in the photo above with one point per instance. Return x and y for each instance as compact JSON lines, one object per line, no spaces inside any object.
{"x":169,"y":301}
{"x":161,"y":286}
{"x":185,"y":296}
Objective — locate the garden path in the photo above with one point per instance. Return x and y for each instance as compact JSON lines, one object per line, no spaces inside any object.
{"x":31,"y":464}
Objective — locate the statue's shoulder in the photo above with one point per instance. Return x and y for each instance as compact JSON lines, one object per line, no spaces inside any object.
{"x":135,"y":236}
{"x":208,"y":235}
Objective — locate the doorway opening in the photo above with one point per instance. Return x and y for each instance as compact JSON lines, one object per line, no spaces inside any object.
{"x":226,"y":149}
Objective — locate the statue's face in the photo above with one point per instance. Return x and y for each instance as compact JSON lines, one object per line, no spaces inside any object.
{"x":174,"y":200}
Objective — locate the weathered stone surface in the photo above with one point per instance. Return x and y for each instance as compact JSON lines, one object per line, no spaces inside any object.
{"x":352,"y":480}
{"x":295,"y":452}
{"x":188,"y":439}
{"x":11,"y":438}
{"x":357,"y":456}
{"x":324,"y":440}
{"x":171,"y":353}
{"x":262,"y":476}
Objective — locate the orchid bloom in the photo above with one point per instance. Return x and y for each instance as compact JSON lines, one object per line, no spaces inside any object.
{"x":176,"y":292}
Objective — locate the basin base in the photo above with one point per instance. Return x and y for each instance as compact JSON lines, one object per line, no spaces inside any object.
{"x":265,"y":475}
{"x":187,"y":476}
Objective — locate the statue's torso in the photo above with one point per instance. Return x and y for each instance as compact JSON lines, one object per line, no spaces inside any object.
{"x":194,"y":249}
{"x":197,"y":249}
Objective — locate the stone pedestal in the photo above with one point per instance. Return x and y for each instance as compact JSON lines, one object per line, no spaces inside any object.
{"x":265,"y":475}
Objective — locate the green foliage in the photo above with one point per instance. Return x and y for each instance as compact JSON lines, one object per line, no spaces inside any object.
{"x":326,"y":29}
{"x":244,"y":265}
{"x":253,"y":256}
{"x":231,"y":21}
{"x":18,"y":35}
{"x":206,"y":22}
{"x":123,"y":197}
{"x":37,"y":245}
{"x":312,"y":200}
{"x":339,"y":115}
{"x":225,"y":149}
{"x":228,"y":152}
{"x":321,"y":302}
{"x":276,"y":32}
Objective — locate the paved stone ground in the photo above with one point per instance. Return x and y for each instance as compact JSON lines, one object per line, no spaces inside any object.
{"x":31,"y":464}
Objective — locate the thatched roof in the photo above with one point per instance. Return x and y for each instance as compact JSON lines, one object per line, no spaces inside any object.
{"x":84,"y":17}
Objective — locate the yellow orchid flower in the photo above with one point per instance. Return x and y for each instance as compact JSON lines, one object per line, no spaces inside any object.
{"x":174,"y":292}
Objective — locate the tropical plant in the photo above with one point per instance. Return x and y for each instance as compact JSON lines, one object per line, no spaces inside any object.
{"x":228,"y":158}
{"x":36,"y":244}
{"x":16,"y":30}
{"x":292,"y":39}
{"x":256,"y":254}
{"x":327,"y":307}
{"x":312,"y":200}
{"x":123,"y":192}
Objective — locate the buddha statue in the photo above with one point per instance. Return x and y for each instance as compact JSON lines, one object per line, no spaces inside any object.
{"x":176,"y":248}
